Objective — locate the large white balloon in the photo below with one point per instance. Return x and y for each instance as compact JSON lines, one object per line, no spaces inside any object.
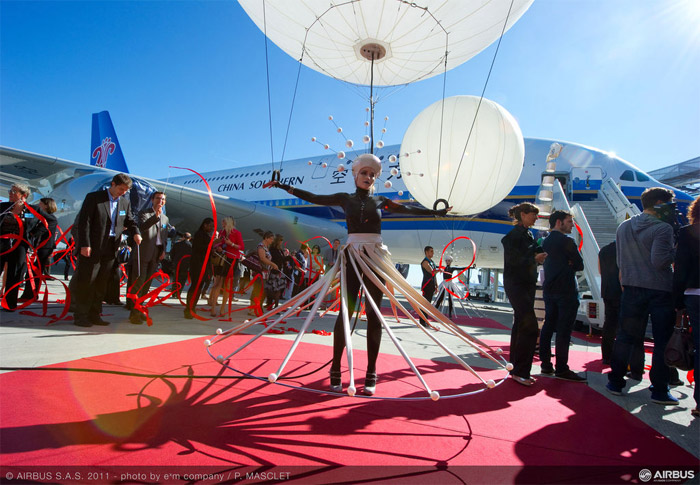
{"x":408,"y":39}
{"x":473,"y":180}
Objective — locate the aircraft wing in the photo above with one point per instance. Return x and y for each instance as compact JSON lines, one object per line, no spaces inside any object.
{"x":68,"y":182}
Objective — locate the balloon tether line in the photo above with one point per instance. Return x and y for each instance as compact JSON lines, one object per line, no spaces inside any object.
{"x":481,"y":98}
{"x":371,"y":107}
{"x":269,"y":103}
{"x":442,"y":114}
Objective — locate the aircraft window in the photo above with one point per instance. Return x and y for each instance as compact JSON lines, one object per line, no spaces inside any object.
{"x":627,"y":175}
{"x":641,"y":177}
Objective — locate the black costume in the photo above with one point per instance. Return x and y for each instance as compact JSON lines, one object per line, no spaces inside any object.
{"x":363,"y":215}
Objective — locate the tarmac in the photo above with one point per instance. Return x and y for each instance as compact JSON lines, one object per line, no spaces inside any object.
{"x":28,"y":340}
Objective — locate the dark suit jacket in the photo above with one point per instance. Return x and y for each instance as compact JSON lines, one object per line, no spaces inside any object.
{"x":149,"y":227}
{"x":686,"y":271}
{"x":95,"y":220}
{"x":39,"y":233}
{"x":34,"y":229}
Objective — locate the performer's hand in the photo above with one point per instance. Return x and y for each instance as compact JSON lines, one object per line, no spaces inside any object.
{"x":137,"y":239}
{"x":86,"y":251}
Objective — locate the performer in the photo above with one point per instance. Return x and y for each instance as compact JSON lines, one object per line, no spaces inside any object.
{"x":363,"y":217}
{"x":448,"y":287}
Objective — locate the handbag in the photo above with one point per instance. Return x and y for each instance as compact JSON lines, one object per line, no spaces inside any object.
{"x":679,"y":352}
{"x":252,"y":262}
{"x":218,"y":259}
{"x":123,"y":254}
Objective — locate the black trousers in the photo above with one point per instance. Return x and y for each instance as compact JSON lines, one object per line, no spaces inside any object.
{"x":16,"y":268}
{"x":428,"y":293}
{"x":523,"y":336}
{"x":43,"y":257}
{"x":91,"y":278}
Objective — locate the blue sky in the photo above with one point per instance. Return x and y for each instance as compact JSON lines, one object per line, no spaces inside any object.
{"x":185,"y":82}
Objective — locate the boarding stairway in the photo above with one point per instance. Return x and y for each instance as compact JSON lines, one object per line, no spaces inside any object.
{"x":602,"y":222}
{"x":597,"y":220}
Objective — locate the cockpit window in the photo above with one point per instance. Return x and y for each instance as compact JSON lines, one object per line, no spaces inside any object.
{"x":641,"y":177}
{"x":627,"y":175}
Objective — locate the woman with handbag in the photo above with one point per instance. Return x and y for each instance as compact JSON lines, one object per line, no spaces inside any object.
{"x":276,"y":281}
{"x":228,"y":246}
{"x":686,"y":283}
{"x":263,"y":252}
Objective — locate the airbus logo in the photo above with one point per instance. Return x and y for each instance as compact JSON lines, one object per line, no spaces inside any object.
{"x":102,"y":152}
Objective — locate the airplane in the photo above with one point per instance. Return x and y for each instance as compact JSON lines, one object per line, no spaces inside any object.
{"x":580,"y":169}
{"x":241,"y":193}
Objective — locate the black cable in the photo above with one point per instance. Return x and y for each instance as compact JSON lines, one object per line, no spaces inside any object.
{"x":269,"y":103}
{"x":493,"y":61}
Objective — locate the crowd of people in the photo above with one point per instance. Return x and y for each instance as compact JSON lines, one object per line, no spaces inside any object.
{"x":649,"y":273}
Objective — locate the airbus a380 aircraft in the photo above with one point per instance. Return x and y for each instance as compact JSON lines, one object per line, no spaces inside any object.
{"x":239,"y":193}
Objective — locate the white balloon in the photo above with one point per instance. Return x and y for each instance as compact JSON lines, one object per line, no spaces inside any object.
{"x":365,"y":139}
{"x":349,"y":143}
{"x":324,"y":165}
{"x":387,"y":184}
{"x":400,"y":192}
{"x":341,"y":155}
{"x":392,"y":158}
{"x":407,"y":40}
{"x":380,"y":144}
{"x":487,"y":172}
{"x":341,"y":167}
{"x":394,"y":172}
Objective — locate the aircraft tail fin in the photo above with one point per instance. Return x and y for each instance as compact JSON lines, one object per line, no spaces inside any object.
{"x":105,"y":150}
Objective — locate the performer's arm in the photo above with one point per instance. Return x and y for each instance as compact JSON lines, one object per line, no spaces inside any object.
{"x":391,"y":206}
{"x":330,"y":199}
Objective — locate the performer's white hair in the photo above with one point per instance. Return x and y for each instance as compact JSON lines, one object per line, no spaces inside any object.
{"x":367,"y":160}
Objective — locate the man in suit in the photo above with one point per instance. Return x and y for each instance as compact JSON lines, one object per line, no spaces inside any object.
{"x":330,"y":255}
{"x":103,"y":217}
{"x":154,"y":228}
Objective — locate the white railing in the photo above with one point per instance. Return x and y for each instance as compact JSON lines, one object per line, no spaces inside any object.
{"x":618,"y":204}
{"x":589,"y":248}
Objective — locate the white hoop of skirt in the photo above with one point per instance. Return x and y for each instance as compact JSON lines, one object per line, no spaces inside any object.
{"x":366,"y":255}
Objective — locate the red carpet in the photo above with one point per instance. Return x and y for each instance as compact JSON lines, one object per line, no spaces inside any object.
{"x":72,"y":418}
